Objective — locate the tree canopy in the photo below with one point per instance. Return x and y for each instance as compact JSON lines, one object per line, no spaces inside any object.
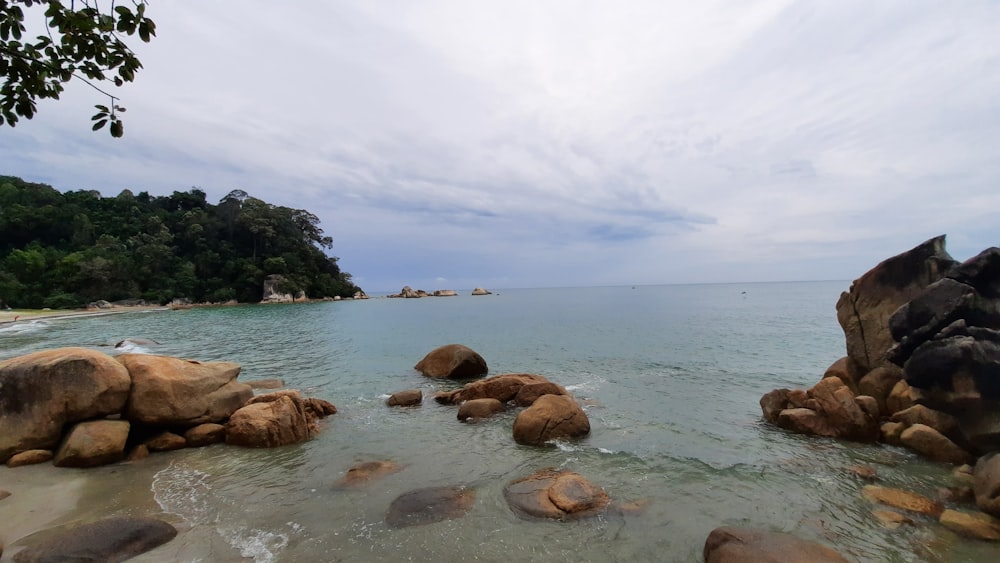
{"x":64,"y":250}
{"x":81,"y":41}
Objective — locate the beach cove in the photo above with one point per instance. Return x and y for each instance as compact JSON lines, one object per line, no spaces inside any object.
{"x":670,"y":377}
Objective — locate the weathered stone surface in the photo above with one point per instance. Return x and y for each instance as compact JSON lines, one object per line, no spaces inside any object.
{"x":425,"y":506}
{"x":919,"y":414}
{"x":972,"y":524}
{"x":962,"y":350}
{"x":879,"y":382}
{"x":869,"y":406}
{"x":366,"y":472}
{"x":846,"y":371}
{"x":904,"y":500}
{"x":205,"y":434}
{"x":938,"y":305}
{"x":165,"y":442}
{"x":528,"y":394}
{"x":407,"y":398}
{"x":805,"y":421}
{"x":479,"y":408}
{"x":44,"y":391}
{"x":986,"y":484}
{"x":933,"y":445}
{"x":864,"y":310}
{"x":174,"y":392}
{"x":272,"y":290}
{"x":556,"y":494}
{"x":109,"y":540}
{"x":89,"y":444}
{"x":318,"y":408}
{"x":503,"y":388}
{"x":772,"y":403}
{"x":551,"y":417}
{"x":138,"y":453}
{"x":30,"y":457}
{"x":732,"y":545}
{"x":452,"y":361}
{"x":268,"y":424}
{"x":838,"y":407}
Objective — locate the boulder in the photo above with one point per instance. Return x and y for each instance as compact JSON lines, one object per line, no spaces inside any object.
{"x":551,"y":417}
{"x":110,"y":540}
{"x":445,"y":293}
{"x":205,"y":434}
{"x":878,"y":383}
{"x":171,"y":392}
{"x":425,"y":506}
{"x":837,"y":405}
{"x":89,"y":444}
{"x":481,"y":291}
{"x":980,"y":426}
{"x":864,"y":310}
{"x":901,"y":397}
{"x":30,"y":457}
{"x":940,"y":304}
{"x":503,"y":388}
{"x":555,"y":494}
{"x":890,"y":432}
{"x":731,"y":545}
{"x":972,"y":524}
{"x":318,"y":408}
{"x":138,"y":453}
{"x":366,"y":472}
{"x":45,"y":391}
{"x":919,"y":414}
{"x":846,"y":371}
{"x":933,"y":445}
{"x":986,"y":484}
{"x":165,"y":442}
{"x":479,"y":408}
{"x":528,"y":394}
{"x":453,"y":361}
{"x":805,"y":421}
{"x":904,"y":500}
{"x":773,"y":402}
{"x":268,"y":424}
{"x":407,"y":398}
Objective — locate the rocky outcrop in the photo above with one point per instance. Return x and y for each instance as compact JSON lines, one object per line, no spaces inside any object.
{"x":45,"y":391}
{"x":425,"y":506}
{"x":407,"y":398}
{"x":555,"y":494}
{"x":729,"y":545}
{"x":551,"y":417}
{"x":452,"y":361}
{"x":445,"y":293}
{"x":409,"y":293}
{"x":111,"y":539}
{"x":171,"y":392}
{"x":273,"y":290}
{"x":827,"y":409}
{"x":93,"y":443}
{"x":503,"y":388}
{"x":481,"y":291}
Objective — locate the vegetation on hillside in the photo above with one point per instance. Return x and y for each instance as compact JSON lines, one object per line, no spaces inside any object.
{"x":64,"y":250}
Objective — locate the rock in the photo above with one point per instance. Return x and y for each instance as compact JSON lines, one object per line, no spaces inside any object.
{"x":844,"y":370}
{"x":503,"y":388}
{"x":170,"y":392}
{"x":841,"y":411}
{"x":904,"y":500}
{"x":980,"y":426}
{"x":901,"y":397}
{"x":805,"y":421}
{"x":108,"y":540}
{"x":864,"y":310}
{"x":986,"y":484}
{"x":528,"y":394}
{"x":891,"y":519}
{"x":45,"y":391}
{"x":865,"y":472}
{"x":732,"y":545}
{"x":165,"y":442}
{"x":407,"y":398}
{"x":933,"y":445}
{"x":481,"y":291}
{"x":963,"y":473}
{"x":364,"y":473}
{"x":4,"y":494}
{"x":128,"y":342}
{"x":773,"y":402}
{"x":551,"y":417}
{"x":869,"y":406}
{"x":425,"y":506}
{"x":408,"y":293}
{"x":205,"y":434}
{"x":479,"y":408}
{"x":919,"y":414}
{"x":878,"y":383}
{"x":556,"y":494}
{"x":30,"y":457}
{"x":445,"y":293}
{"x":962,"y":350}
{"x":318,"y":408}
{"x":89,"y":444}
{"x":138,"y":453}
{"x":268,"y":424}
{"x":972,"y":524}
{"x":274,"y":292}
{"x":914,"y":323}
{"x":956,"y":495}
{"x":453,"y":361}
{"x":272,"y":383}
{"x":891,"y":431}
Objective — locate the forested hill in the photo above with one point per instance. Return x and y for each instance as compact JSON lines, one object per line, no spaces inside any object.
{"x":64,"y":250}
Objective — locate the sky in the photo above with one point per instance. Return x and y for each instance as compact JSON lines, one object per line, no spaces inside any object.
{"x":455,"y":144}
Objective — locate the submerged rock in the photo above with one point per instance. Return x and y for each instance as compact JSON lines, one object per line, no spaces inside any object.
{"x":452,"y":361}
{"x":731,"y":545}
{"x":109,"y":540}
{"x":364,"y":473}
{"x":426,"y":506}
{"x":972,"y":524}
{"x":407,"y":398}
{"x":902,"y":499}
{"x":555,"y":494}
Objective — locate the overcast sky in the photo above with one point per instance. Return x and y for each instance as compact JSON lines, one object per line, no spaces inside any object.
{"x":453,"y":144}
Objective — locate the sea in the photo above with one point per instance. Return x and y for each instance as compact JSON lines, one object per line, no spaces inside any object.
{"x":670,"y":377}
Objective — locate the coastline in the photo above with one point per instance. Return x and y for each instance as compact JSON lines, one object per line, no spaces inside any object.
{"x":20,"y":315}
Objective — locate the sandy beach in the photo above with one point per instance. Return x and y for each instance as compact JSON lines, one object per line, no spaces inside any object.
{"x":20,"y":315}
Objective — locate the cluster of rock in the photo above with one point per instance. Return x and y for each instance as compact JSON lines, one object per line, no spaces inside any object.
{"x":273,"y":291}
{"x":922,"y":368}
{"x":82,"y":408}
{"x":409,"y":293}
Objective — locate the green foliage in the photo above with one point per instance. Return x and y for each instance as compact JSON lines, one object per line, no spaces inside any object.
{"x":80,"y":41}
{"x":63,"y":250}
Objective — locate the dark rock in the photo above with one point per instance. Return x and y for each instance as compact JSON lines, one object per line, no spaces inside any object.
{"x":986,"y":484}
{"x":425,"y":506}
{"x":958,"y":349}
{"x":108,"y":541}
{"x":453,"y":361}
{"x":738,"y":545}
{"x":940,"y":304}
{"x":407,"y":398}
{"x":982,"y":272}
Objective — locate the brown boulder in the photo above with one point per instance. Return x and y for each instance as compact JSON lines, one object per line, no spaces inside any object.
{"x":805,"y":421}
{"x":138,"y":453}
{"x":165,"y":442}
{"x":44,"y":391}
{"x":425,"y":506}
{"x":933,"y":445}
{"x":879,"y":382}
{"x":528,"y":394}
{"x":919,"y":414}
{"x":503,"y":388}
{"x":205,"y":434}
{"x":840,"y":410}
{"x":890,"y":432}
{"x":453,"y":361}
{"x":986,"y":484}
{"x":268,"y":424}
{"x":551,"y":417}
{"x":972,"y":524}
{"x":174,"y":392}
{"x":732,"y":545}
{"x":318,"y":408}
{"x":773,"y":402}
{"x":407,"y":398}
{"x":904,"y":500}
{"x":89,"y":444}
{"x":844,"y":370}
{"x":364,"y":473}
{"x":556,"y":494}
{"x":479,"y":408}
{"x":901,"y":397}
{"x":30,"y":457}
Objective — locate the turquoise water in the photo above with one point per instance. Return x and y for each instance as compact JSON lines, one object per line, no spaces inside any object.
{"x":670,"y":377}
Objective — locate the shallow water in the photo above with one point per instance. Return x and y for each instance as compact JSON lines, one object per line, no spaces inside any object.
{"x":670,"y":376}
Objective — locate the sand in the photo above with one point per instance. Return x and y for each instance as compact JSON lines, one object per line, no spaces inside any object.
{"x":20,"y":315}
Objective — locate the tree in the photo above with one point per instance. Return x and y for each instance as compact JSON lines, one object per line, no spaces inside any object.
{"x":82,"y":42}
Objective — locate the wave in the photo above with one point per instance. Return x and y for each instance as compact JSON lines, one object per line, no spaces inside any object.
{"x":24,"y":327}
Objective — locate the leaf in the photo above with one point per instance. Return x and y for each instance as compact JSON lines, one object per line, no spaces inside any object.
{"x":100,"y":124}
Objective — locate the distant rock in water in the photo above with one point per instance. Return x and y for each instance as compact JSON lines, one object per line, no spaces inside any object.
{"x":445,"y":293}
{"x":481,"y":291}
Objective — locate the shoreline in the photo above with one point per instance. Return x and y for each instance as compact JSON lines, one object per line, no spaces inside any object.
{"x":21,"y":315}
